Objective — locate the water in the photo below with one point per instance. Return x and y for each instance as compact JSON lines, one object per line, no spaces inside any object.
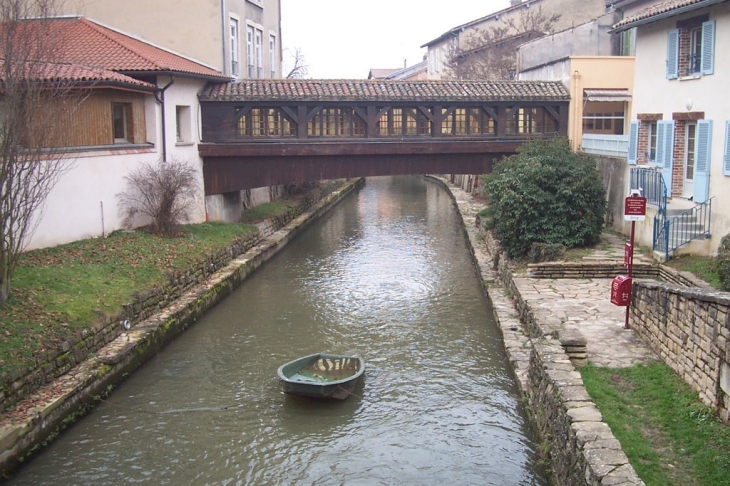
{"x":386,"y":276}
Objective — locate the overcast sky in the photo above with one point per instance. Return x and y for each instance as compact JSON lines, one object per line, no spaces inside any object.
{"x":344,"y":39}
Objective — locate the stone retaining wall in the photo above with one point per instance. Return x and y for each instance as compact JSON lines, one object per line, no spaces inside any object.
{"x":689,"y":328}
{"x":610,"y":269}
{"x":52,"y":363}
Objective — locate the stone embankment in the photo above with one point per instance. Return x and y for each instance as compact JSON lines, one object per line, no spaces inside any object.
{"x":92,"y":363}
{"x":540,"y":323}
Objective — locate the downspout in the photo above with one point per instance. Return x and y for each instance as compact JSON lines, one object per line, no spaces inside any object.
{"x":160,"y":98}
{"x":224,"y":36}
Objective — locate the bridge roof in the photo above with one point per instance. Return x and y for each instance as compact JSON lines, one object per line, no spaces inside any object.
{"x":384,"y":90}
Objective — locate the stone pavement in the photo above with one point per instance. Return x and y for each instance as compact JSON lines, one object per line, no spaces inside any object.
{"x":584,"y":305}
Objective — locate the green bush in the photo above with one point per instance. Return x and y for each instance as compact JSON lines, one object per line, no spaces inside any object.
{"x":546,"y":193}
{"x":722,"y":262}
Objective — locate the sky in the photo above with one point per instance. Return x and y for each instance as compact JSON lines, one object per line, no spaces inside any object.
{"x":344,"y":39}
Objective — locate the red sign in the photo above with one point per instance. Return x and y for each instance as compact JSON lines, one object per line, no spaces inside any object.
{"x":621,"y":290}
{"x":635,"y":208}
{"x":628,"y":254}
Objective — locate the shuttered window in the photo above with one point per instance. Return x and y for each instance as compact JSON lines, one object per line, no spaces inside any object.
{"x":707,"y":64}
{"x":665,"y":151}
{"x":672,"y":54}
{"x":702,"y":161}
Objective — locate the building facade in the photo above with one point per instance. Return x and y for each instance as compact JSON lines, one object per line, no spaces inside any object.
{"x":519,"y":14}
{"x":240,"y":38}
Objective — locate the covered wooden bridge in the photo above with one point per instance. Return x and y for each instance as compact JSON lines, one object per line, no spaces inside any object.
{"x":259,"y":132}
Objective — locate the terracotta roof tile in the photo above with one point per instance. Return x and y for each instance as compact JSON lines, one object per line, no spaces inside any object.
{"x":90,"y":44}
{"x":384,"y":90}
{"x":661,"y":8}
{"x":58,"y":73}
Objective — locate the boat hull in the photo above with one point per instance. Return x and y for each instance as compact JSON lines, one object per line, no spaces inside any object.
{"x":321,"y":376}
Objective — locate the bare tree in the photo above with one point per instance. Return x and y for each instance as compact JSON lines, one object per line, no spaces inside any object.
{"x":490,"y":53}
{"x":164,"y":193}
{"x":37,"y":99}
{"x":299,"y":69}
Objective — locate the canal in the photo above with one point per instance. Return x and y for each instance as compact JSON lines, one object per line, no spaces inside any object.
{"x":386,"y":275}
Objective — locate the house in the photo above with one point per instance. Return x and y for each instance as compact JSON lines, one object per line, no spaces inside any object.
{"x":376,"y":73}
{"x":519,"y":22}
{"x":588,"y":60}
{"x":140,"y":107}
{"x":240,"y":38}
{"x":679,"y":144}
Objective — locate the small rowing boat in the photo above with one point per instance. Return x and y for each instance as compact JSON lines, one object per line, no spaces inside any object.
{"x":321,"y":375}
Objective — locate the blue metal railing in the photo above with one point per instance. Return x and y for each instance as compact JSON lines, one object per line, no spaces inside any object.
{"x":672,"y":233}
{"x":652,"y":187}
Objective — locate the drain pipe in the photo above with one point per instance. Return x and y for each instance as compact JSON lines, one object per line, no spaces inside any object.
{"x":160,"y":98}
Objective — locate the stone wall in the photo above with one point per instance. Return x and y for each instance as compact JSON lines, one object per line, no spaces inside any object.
{"x":52,"y":363}
{"x":689,"y":328}
{"x":614,"y":175}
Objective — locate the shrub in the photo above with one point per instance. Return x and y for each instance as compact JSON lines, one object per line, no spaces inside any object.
{"x":546,"y":193}
{"x":722,"y":262}
{"x":165,"y":193}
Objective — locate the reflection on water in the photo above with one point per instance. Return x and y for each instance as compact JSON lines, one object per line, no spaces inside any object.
{"x":386,"y":276}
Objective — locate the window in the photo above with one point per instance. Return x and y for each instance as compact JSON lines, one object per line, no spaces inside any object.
{"x":651,"y":149}
{"x":264,"y":122}
{"x":234,"y":46}
{"x":272,"y":56}
{"x":336,"y":122}
{"x":403,"y":121}
{"x":691,"y":48}
{"x":249,"y":50}
{"x":259,"y":57}
{"x":603,"y":117}
{"x":523,"y":120}
{"x":121,"y":122}
{"x":468,"y":121}
{"x":183,"y":124}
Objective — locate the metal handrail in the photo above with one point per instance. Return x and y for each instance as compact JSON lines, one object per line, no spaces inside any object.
{"x":683,"y":228}
{"x":652,"y":186}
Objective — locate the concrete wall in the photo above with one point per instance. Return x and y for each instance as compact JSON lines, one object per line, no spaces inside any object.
{"x":689,"y":329}
{"x":588,"y":39}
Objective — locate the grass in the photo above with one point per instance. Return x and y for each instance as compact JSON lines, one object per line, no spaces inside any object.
{"x":61,"y":290}
{"x":669,"y":436}
{"x":701,"y":266}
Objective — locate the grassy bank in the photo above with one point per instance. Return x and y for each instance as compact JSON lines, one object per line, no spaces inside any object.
{"x":59,"y":291}
{"x":670,"y":437}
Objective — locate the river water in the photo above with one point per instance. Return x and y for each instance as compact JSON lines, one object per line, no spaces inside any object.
{"x":385,"y":275}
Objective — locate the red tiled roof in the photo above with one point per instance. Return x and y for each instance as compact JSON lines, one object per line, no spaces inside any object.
{"x":385,"y":90}
{"x":86,"y":43}
{"x":60,"y":73}
{"x":662,"y":9}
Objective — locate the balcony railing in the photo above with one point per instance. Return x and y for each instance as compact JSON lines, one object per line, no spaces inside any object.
{"x":613,"y":145}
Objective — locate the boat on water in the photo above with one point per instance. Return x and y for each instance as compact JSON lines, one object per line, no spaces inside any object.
{"x":321,"y":375}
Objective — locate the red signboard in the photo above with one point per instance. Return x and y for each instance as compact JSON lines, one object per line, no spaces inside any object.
{"x":635,"y":208}
{"x":621,"y":290}
{"x":628,"y":254}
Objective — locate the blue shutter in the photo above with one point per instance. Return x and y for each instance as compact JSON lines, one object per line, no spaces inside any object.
{"x":673,"y":54}
{"x":633,"y":142}
{"x":726,"y":158}
{"x":708,"y":47}
{"x":668,"y":154}
{"x":659,"y":156}
{"x":702,"y":161}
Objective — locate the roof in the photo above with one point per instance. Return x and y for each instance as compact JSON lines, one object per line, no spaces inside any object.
{"x":410,"y":71}
{"x":87,"y":43}
{"x":384,"y":90}
{"x":459,"y":28}
{"x":381,"y":73}
{"x":59,"y":73}
{"x":662,"y":10}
